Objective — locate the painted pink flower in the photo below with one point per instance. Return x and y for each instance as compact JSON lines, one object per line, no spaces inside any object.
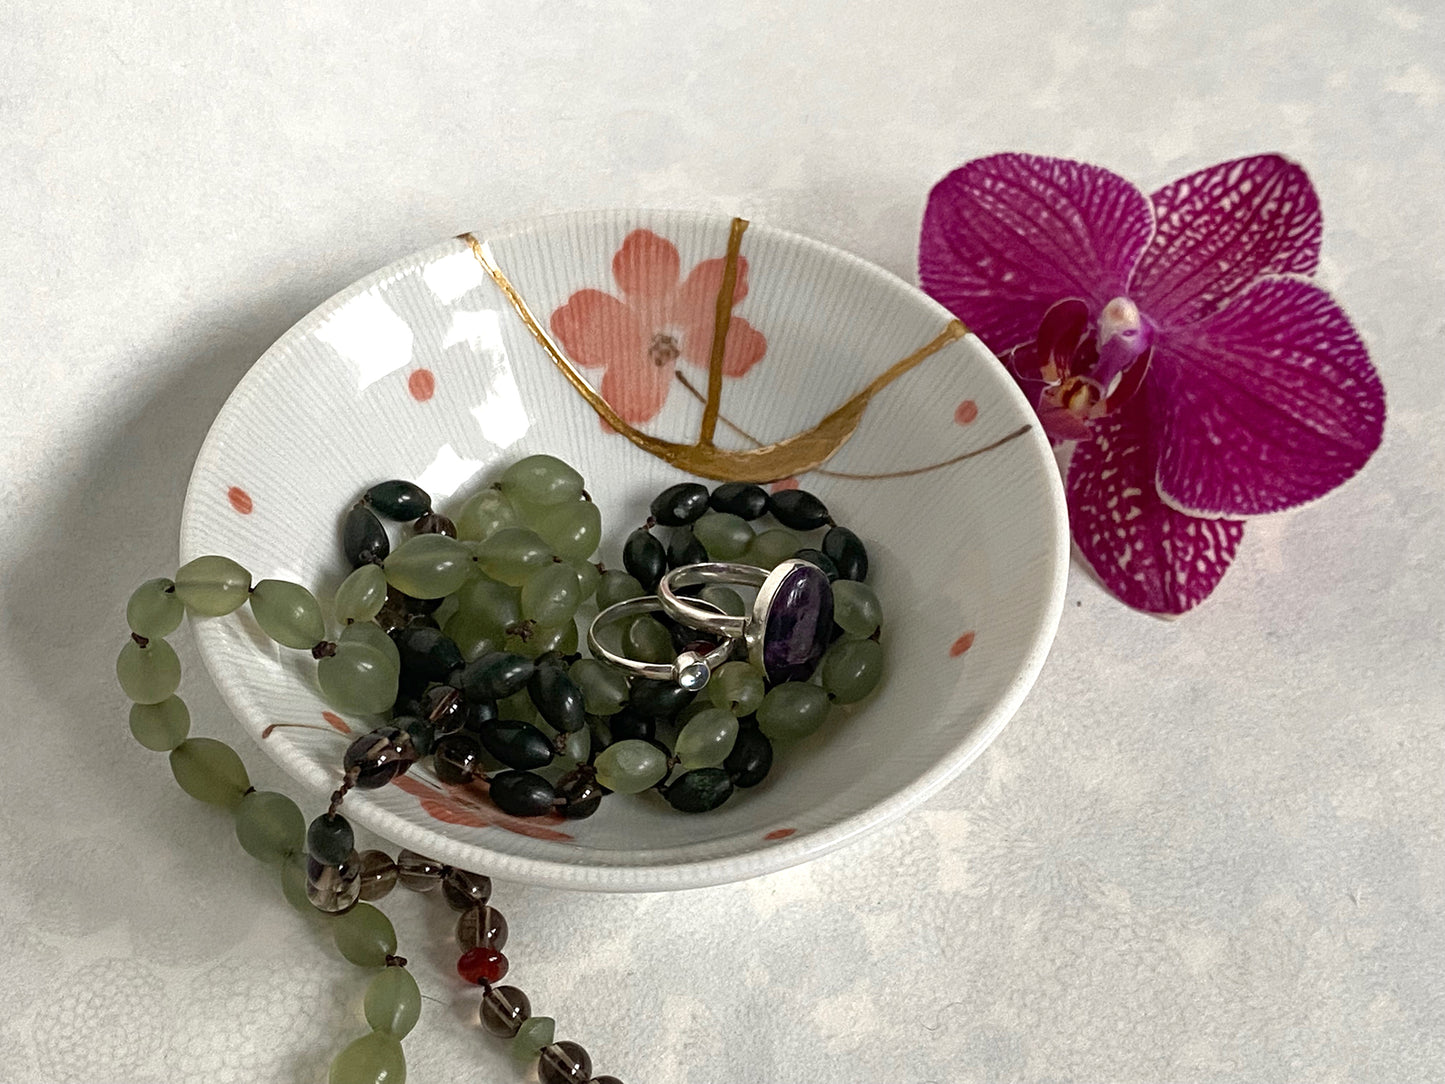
{"x":637,"y":339}
{"x":1177,"y":337}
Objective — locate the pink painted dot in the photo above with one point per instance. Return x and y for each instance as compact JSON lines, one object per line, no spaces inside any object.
{"x":336,"y":721}
{"x":786,"y":483}
{"x":422,"y":384}
{"x":967,"y":411}
{"x":780,"y":833}
{"x":962,"y":644}
{"x":240,"y":500}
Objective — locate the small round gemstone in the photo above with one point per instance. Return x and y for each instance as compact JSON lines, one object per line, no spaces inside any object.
{"x":479,"y":965}
{"x":694,"y":676}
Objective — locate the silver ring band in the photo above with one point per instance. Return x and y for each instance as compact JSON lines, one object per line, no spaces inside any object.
{"x":698,"y":614}
{"x":690,"y":670}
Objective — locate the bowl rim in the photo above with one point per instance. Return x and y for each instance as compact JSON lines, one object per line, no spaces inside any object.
{"x":684,"y":873}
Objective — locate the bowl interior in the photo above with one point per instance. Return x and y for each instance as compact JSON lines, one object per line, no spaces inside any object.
{"x":424,"y":371}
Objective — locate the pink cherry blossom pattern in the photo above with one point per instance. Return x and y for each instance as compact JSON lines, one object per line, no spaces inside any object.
{"x":469,"y":807}
{"x":1177,"y":337}
{"x":660,"y":319}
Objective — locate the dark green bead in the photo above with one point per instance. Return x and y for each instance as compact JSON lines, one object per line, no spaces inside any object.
{"x":557,"y":698}
{"x":364,"y":936}
{"x":363,"y":538}
{"x":399,"y":500}
{"x":210,"y":771}
{"x":821,"y":559}
{"x":269,"y":826}
{"x":522,"y":794}
{"x":685,"y":549}
{"x":740,"y":499}
{"x":849,"y":554}
{"x":751,"y":758}
{"x":679,"y":504}
{"x":517,"y":744}
{"x":330,"y":839}
{"x":427,"y":654}
{"x":497,"y":675}
{"x":658,"y":699}
{"x":699,"y":790}
{"x":798,"y":509}
{"x":644,"y":558}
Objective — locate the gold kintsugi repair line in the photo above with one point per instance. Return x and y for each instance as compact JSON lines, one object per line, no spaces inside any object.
{"x":794,"y":455}
{"x":722,"y":320}
{"x":879,"y":475}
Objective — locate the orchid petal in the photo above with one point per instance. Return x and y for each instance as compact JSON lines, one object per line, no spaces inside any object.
{"x":1220,"y":229}
{"x":1005,"y":237}
{"x":1269,"y":403}
{"x":1149,"y":555}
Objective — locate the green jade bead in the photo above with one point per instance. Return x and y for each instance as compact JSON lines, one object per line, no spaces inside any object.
{"x":572,"y":530}
{"x":293,"y":885}
{"x":375,"y":1058}
{"x":513,"y":555}
{"x":210,"y":771}
{"x":617,"y":586}
{"x":473,"y":637}
{"x":647,"y":639}
{"x":726,"y":537}
{"x":541,"y":480}
{"x":725,"y":599}
{"x":393,"y":1002}
{"x":212,"y":586}
{"x":161,"y":726}
{"x":358,"y":679}
{"x":561,"y":638}
{"x":485,"y":600}
{"x":269,"y":826}
{"x":630,"y":766}
{"x":288,"y":613}
{"x":792,"y":710}
{"x":364,"y":936}
{"x":552,"y":595}
{"x":851,"y":670}
{"x":361,"y":595}
{"x":534,"y":1033}
{"x":771,"y":548}
{"x":588,"y":576}
{"x":856,"y":608}
{"x":373,"y":635}
{"x":154,"y":610}
{"x":428,"y":566}
{"x":604,"y":690}
{"x":148,"y":674}
{"x":707,"y":739}
{"x":484,"y":515}
{"x":736,"y":687}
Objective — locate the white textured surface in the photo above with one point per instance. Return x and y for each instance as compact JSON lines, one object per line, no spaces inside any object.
{"x":1208,"y":850}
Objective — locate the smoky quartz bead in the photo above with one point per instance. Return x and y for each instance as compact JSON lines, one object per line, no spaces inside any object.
{"x":564,"y":1063}
{"x":482,"y":927}
{"x":378,"y":875}
{"x":504,"y":1008}
{"x":417,"y":872}
{"x":334,"y":889}
{"x":464,"y":890}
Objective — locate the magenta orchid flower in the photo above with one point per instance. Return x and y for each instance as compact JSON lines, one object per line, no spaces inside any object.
{"x":1176,"y":337}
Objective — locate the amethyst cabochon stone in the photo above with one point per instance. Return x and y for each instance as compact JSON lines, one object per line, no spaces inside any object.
{"x":799,"y":622}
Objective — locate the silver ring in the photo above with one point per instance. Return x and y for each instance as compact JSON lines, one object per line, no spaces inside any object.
{"x":791,"y":622}
{"x":690,"y":670}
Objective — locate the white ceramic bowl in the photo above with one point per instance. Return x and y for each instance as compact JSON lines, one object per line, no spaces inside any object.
{"x":423,"y":371}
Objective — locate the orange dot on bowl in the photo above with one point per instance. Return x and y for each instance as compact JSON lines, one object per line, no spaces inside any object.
{"x":962,"y":644}
{"x":240,"y":500}
{"x":967,"y":411}
{"x":422,"y":384}
{"x":780,"y":833}
{"x":337,"y":721}
{"x":786,"y":483}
